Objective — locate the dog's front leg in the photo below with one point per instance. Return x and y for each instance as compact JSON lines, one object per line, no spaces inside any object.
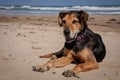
{"x":53,"y":55}
{"x":59,"y":62}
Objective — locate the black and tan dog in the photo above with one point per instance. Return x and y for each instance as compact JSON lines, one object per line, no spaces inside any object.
{"x":82,"y":46}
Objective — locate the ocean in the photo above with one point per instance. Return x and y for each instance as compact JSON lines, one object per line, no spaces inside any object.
{"x":43,"y":10}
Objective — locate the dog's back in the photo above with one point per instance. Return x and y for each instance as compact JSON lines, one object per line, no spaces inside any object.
{"x":100,"y":50}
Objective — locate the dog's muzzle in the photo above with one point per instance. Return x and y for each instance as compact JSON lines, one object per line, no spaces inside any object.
{"x":69,"y":36}
{"x":66,"y":32}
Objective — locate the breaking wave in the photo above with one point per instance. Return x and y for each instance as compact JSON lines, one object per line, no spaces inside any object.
{"x":56,"y":9}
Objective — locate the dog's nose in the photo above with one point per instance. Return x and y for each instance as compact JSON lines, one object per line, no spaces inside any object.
{"x":66,"y":32}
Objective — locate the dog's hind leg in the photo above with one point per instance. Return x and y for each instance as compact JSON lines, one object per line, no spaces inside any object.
{"x":89,"y":63}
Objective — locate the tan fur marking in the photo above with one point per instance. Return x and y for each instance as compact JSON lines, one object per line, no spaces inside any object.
{"x":69,"y":18}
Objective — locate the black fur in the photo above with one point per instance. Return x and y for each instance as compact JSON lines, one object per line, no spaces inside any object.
{"x":92,"y":41}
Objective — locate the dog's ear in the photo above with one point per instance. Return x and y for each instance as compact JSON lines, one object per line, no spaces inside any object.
{"x":60,"y":17}
{"x":84,"y":15}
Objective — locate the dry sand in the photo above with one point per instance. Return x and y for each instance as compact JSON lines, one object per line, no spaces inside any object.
{"x":24,"y":38}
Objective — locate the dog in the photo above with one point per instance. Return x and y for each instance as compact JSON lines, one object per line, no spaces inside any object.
{"x":82,"y":46}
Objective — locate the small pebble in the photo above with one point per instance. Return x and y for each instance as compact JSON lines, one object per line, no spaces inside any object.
{"x":104,"y":74}
{"x":10,"y":55}
{"x":53,"y":72}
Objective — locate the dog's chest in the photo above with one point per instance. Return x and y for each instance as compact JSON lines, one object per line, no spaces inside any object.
{"x":75,"y":46}
{"x":78,"y":46}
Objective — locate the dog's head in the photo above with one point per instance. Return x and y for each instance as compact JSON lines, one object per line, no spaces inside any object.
{"x":73,"y":22}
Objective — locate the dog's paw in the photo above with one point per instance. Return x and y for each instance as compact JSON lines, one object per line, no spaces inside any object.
{"x":40,"y":69}
{"x":70,"y":73}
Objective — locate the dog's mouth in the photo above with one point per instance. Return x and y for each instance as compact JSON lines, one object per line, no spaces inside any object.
{"x":70,"y":38}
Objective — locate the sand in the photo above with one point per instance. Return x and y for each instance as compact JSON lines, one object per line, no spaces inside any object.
{"x":24,"y":38}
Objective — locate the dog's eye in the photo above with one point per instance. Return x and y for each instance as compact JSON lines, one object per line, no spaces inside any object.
{"x":63,"y":21}
{"x":75,"y":21}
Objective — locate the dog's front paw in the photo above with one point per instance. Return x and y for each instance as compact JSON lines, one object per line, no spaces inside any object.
{"x":40,"y":68}
{"x":70,"y":73}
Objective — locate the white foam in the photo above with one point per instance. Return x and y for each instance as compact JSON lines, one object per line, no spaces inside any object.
{"x":46,"y":8}
{"x":95,"y":8}
{"x":25,"y":6}
{"x":7,"y":7}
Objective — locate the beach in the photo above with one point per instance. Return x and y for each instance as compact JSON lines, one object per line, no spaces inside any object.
{"x":24,"y":38}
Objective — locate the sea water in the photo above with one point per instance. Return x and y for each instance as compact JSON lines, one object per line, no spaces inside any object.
{"x":38,"y":10}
